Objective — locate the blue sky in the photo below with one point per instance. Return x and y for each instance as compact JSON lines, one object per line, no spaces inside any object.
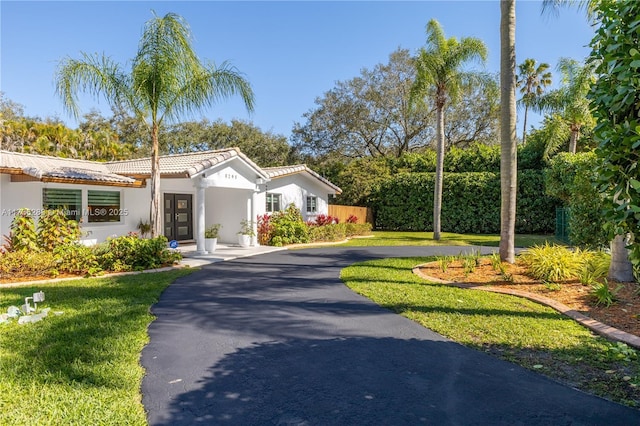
{"x":292,"y":52}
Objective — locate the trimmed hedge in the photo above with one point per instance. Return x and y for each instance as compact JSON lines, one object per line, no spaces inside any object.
{"x":573,"y":178}
{"x":470,"y":203}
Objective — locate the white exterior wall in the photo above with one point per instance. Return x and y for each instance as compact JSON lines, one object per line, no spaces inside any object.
{"x":236,"y":200}
{"x":227,"y":207}
{"x":134,"y":203}
{"x":294,"y":189}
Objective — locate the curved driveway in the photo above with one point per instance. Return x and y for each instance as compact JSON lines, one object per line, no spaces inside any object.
{"x":277,"y":339}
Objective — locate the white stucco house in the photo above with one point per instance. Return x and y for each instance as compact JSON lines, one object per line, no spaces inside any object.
{"x":198,"y":189}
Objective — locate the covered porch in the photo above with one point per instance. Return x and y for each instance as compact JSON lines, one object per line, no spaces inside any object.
{"x":226,"y":193}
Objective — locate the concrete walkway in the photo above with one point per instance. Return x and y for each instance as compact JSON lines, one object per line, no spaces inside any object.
{"x":277,"y":339}
{"x":223,"y":252}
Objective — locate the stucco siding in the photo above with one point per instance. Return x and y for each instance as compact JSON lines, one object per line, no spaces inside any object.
{"x":295,"y":189}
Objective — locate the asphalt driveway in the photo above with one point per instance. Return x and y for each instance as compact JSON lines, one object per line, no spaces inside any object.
{"x":277,"y":339}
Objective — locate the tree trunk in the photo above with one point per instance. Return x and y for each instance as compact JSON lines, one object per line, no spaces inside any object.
{"x":621,"y":269}
{"x":573,"y":141}
{"x":508,"y":149}
{"x":155,"y":214}
{"x":524,"y":126}
{"x":437,"y":187}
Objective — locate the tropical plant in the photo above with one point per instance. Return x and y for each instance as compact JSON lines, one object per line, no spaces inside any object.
{"x":166,"y":80}
{"x":552,"y":263}
{"x":615,"y":98}
{"x":603,"y":294}
{"x":55,"y":229}
{"x":568,"y":107}
{"x":508,"y":143}
{"x":439,"y":74}
{"x":246,"y":228}
{"x":212,"y":231}
{"x":532,"y":80}
{"x":23,"y":235}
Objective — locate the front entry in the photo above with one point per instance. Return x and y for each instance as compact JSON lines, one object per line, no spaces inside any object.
{"x":178,"y":217}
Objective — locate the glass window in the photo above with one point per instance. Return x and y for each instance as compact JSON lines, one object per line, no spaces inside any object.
{"x":103,"y":206}
{"x":312,"y":204}
{"x":273,"y":202}
{"x":70,"y":200}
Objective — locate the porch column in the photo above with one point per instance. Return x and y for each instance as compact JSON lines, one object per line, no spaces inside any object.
{"x":254,"y":218}
{"x":200,"y":203}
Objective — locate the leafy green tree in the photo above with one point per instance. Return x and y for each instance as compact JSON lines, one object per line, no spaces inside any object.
{"x":10,"y":110}
{"x":367,"y":116}
{"x":265,"y":148}
{"x":532,"y":80}
{"x":573,"y":178}
{"x":439,"y":75}
{"x":615,"y":98}
{"x":167,"y":80}
{"x":508,"y":145}
{"x":475,"y":116}
{"x":568,"y":105}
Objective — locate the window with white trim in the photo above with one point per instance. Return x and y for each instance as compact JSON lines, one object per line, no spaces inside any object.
{"x":312,"y":204}
{"x":103,"y":206}
{"x":69,"y":200}
{"x":273,"y":202}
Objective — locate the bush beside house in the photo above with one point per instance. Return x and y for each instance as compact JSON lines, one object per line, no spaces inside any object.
{"x":287,"y":227}
{"x":52,"y":248}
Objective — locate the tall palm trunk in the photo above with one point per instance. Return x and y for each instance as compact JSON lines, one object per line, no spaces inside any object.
{"x":437,"y":191}
{"x":508,"y":151}
{"x":621,"y":268}
{"x":524,"y":126}
{"x":575,"y":135}
{"x":155,"y":215}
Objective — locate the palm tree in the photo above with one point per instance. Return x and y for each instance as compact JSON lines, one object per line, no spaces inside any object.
{"x":166,"y":81}
{"x":440,"y":74}
{"x":508,"y":148}
{"x":569,"y":103}
{"x":532,"y":81}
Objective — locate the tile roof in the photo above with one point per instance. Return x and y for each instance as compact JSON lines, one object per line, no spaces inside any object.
{"x":46,"y":168}
{"x":187,"y":164}
{"x":278,"y":172}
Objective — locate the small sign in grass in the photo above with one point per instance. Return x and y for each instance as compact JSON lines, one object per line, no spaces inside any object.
{"x":82,"y":367}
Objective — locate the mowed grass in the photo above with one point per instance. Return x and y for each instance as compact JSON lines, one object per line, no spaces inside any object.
{"x":82,"y":367}
{"x":398,"y":238}
{"x":509,"y":327}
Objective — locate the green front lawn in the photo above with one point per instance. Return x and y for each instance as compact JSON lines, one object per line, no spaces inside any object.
{"x":509,"y":327}
{"x":82,"y":367}
{"x":397,"y":238}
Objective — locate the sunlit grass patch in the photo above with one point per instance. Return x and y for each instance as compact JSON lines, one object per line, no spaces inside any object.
{"x":513,"y":328}
{"x":81,"y":367}
{"x":400,"y":238}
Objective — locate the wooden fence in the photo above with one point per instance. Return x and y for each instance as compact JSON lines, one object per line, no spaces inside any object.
{"x":364,"y":214}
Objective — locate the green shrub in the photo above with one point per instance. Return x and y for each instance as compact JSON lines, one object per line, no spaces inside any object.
{"x":552,"y":263}
{"x":76,"y":259}
{"x":595,"y":267}
{"x":357,"y":229}
{"x":603,"y":294}
{"x":287,"y":227}
{"x":573,"y":178}
{"x":55,"y":229}
{"x":23,"y":234}
{"x":470,"y":203}
{"x":329,"y":232}
{"x":131,"y":253}
{"x":27,"y":263}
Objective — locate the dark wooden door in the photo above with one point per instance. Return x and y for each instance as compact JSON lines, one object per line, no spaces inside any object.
{"x":178,"y":217}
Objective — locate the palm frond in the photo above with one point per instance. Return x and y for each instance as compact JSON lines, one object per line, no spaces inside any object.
{"x":93,"y":74}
